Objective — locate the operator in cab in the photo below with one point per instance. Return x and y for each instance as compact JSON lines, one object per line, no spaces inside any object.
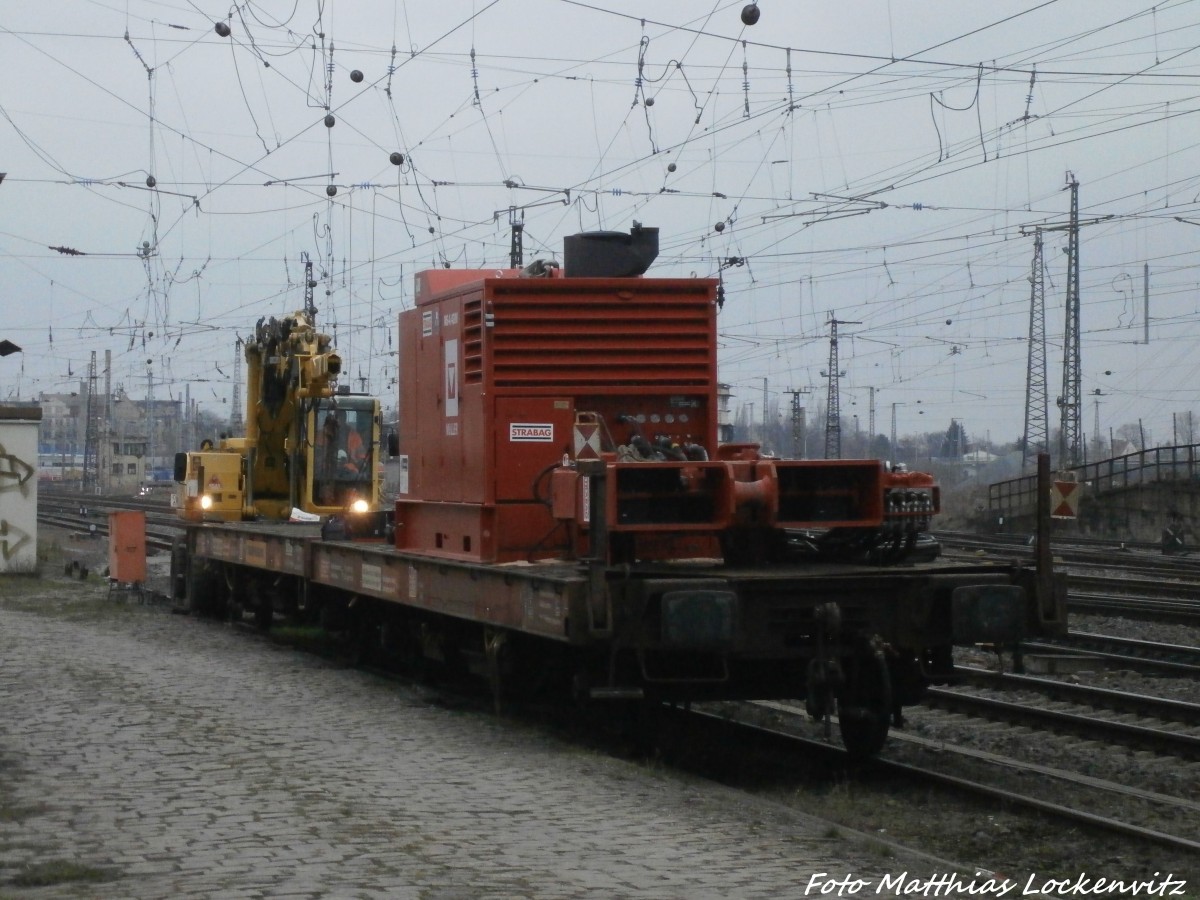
{"x":355,"y":453}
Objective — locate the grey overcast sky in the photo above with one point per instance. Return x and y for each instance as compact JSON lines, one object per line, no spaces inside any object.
{"x":875,"y":160}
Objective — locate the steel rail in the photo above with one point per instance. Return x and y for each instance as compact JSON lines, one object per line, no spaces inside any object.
{"x":977,"y":788}
{"x":1127,"y":652}
{"x":1184,"y":745}
{"x":1104,"y":698}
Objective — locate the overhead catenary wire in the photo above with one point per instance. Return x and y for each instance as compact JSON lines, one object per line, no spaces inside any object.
{"x":425,"y":190}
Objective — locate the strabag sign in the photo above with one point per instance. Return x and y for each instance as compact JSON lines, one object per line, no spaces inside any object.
{"x":531,"y":431}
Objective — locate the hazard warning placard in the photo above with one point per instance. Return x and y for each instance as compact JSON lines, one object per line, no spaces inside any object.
{"x":1064,"y":499}
{"x":587,"y":440}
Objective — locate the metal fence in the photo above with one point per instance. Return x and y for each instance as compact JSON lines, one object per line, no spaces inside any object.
{"x":1158,"y":464}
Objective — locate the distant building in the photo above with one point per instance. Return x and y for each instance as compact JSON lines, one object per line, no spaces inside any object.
{"x":976,"y":462}
{"x":136,"y":444}
{"x":61,"y":436}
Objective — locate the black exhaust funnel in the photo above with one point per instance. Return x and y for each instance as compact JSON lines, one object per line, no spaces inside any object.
{"x":610,"y":254}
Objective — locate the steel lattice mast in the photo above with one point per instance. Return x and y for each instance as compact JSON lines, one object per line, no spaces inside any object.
{"x":799,"y":425}
{"x":833,"y":403}
{"x":91,"y":433}
{"x":1070,"y":403}
{"x":1037,"y":428}
{"x":833,"y":412}
{"x":236,"y":422}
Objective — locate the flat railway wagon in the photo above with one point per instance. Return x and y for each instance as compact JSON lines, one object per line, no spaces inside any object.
{"x":566,"y":519}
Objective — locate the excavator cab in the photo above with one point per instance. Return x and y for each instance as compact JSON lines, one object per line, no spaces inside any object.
{"x":341,"y":453}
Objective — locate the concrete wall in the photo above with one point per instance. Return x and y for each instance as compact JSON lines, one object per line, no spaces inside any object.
{"x":1139,"y":512}
{"x":18,"y":486}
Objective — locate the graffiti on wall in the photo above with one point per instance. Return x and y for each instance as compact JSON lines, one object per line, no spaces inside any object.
{"x":14,"y":472}
{"x":15,"y":475}
{"x":12,"y":539}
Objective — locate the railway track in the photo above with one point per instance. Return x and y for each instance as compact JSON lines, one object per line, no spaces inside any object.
{"x":1082,"y":545}
{"x":1078,"y":795}
{"x":1081,"y":800}
{"x":1129,"y":653}
{"x":158,"y":537}
{"x":1163,"y":587}
{"x":1085,"y":720}
{"x":1105,"y":579}
{"x":1120,"y":702}
{"x":1131,"y":558}
{"x":1180,"y":612}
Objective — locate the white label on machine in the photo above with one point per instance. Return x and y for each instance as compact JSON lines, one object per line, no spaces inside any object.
{"x":452,"y":378}
{"x":403,"y":466}
{"x":531,"y":431}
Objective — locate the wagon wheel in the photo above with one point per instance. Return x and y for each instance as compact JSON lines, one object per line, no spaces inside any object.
{"x":865,"y":704}
{"x":179,"y":568}
{"x":233,"y":587}
{"x":263,"y":606}
{"x":496,"y":652}
{"x":366,"y":634}
{"x":205,"y":589}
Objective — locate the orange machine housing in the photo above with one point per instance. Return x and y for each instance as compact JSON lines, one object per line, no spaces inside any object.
{"x":127,"y":546}
{"x":573,"y":413}
{"x":504,"y":377}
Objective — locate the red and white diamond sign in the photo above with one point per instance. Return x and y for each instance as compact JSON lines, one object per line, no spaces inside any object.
{"x":587,"y":440}
{"x":1064,"y":499}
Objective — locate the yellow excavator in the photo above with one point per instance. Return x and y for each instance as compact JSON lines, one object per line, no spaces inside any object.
{"x":310,"y":449}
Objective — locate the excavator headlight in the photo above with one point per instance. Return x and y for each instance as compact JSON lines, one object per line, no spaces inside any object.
{"x":359,"y":506}
{"x":206,"y":501}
